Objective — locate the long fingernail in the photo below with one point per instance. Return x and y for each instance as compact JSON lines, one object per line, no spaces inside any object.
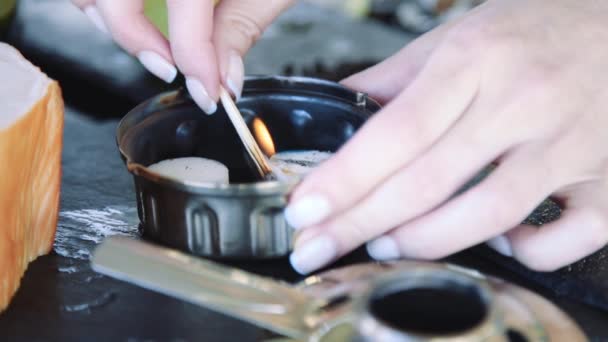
{"x":313,"y":254}
{"x":501,"y":244}
{"x":95,"y":16}
{"x":235,"y":74}
{"x":157,"y":65}
{"x":200,"y":96}
{"x":383,"y":248}
{"x":307,"y":211}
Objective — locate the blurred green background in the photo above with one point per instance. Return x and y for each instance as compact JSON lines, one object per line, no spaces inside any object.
{"x":156,"y":11}
{"x":6,"y":11}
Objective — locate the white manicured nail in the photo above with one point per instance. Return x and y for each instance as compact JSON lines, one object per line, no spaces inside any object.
{"x":95,"y":16}
{"x":383,"y":248}
{"x":200,"y":96}
{"x":235,"y":75}
{"x":157,"y":65}
{"x":307,"y":211}
{"x":501,"y":244}
{"x":313,"y":254}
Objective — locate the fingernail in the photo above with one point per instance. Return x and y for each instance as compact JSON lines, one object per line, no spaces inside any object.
{"x":383,"y":248}
{"x":313,"y":254}
{"x":235,"y":75}
{"x":501,"y":244}
{"x":307,"y":211}
{"x":157,"y":65}
{"x":200,"y":95}
{"x":93,"y":13}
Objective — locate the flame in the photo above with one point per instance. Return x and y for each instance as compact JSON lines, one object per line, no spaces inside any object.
{"x":263,"y":137}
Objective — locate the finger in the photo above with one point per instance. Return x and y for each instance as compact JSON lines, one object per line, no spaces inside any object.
{"x":580,"y":231}
{"x":385,"y":80}
{"x":91,"y":11}
{"x":136,"y":34}
{"x":238,"y":25}
{"x":390,"y":140}
{"x":190,"y":31}
{"x":503,"y":200}
{"x":414,"y":190}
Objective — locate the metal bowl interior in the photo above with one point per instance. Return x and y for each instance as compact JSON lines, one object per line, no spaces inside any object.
{"x":300,"y":113}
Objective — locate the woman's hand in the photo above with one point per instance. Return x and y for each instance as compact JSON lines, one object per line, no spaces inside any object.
{"x":523,"y":83}
{"x":206,"y":43}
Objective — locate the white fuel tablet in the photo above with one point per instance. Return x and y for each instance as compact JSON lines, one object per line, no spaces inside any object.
{"x":192,"y":169}
{"x":298,"y":163}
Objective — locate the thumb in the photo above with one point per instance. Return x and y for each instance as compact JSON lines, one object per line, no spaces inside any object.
{"x":238,"y":24}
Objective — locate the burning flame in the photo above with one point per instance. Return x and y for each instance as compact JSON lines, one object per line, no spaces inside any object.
{"x":263,"y":137}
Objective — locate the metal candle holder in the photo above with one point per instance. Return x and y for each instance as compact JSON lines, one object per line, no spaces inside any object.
{"x":243,"y":219}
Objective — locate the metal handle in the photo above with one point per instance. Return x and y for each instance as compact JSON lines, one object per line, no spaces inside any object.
{"x":258,"y":300}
